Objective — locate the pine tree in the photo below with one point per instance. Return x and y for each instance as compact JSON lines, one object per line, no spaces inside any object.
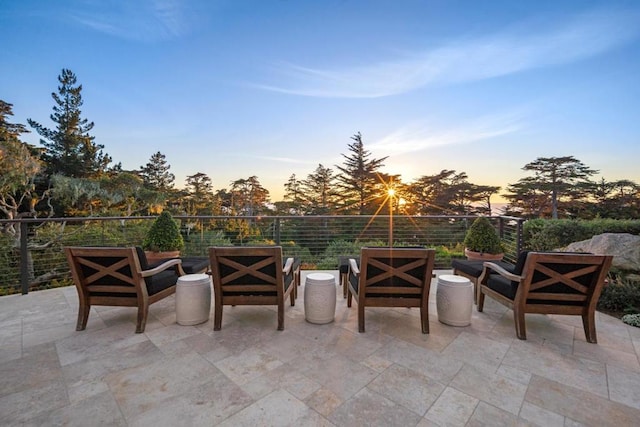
{"x":200,"y":200}
{"x":69,"y":148}
{"x":156,"y":175}
{"x":293,"y":194}
{"x":554,"y":178}
{"x":249,"y":196}
{"x":9,"y":130}
{"x":319,"y":191}
{"x":358,"y":178}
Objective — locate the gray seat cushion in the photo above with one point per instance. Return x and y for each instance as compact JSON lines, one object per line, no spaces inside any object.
{"x":195,"y":264}
{"x":474,"y":268}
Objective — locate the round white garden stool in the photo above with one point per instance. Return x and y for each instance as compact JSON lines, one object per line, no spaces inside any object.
{"x":454,"y":299}
{"x":320,"y":298}
{"x":193,"y":299}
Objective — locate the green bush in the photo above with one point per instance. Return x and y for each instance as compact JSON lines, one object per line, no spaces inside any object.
{"x":482,"y":237}
{"x":550,"y":234}
{"x":206,"y":238}
{"x":291,"y":249}
{"x":555,"y":234}
{"x":632,"y":319}
{"x":620,"y":297}
{"x":329,"y":258}
{"x":164,"y":235}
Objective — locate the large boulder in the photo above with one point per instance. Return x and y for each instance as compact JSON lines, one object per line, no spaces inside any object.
{"x":624,"y":247}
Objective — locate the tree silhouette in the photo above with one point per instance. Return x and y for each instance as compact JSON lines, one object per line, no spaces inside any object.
{"x":358,"y":178}
{"x":319,"y":191}
{"x":554,"y":178}
{"x":293,"y":194}
{"x":69,"y":148}
{"x":156,"y":175}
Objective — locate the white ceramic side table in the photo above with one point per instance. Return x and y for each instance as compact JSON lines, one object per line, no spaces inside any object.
{"x":454,"y":300}
{"x":193,"y":299}
{"x":320,"y":298}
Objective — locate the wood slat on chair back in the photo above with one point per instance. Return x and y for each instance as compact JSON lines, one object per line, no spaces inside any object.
{"x":105,"y":272}
{"x":247,"y":271}
{"x":396,"y":272}
{"x":563,"y":279}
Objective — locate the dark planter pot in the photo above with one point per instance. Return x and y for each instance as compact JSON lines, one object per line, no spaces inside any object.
{"x":482,"y":256}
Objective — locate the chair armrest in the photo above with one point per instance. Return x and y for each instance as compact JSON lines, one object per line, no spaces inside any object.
{"x":162,"y":267}
{"x":287,"y":266}
{"x":353,"y":265}
{"x":501,"y":271}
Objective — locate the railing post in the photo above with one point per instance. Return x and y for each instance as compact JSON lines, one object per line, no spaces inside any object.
{"x":277,"y":231}
{"x":24,"y":256}
{"x":520,"y":238}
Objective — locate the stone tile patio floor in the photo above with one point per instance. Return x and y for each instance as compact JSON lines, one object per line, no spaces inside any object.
{"x":249,"y":374}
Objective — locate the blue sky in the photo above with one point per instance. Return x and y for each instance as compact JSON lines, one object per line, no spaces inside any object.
{"x":271,"y":88}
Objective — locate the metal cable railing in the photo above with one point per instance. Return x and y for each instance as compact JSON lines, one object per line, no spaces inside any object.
{"x":31,"y":255}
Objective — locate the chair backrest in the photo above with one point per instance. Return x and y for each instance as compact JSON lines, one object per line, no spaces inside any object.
{"x":106,"y":271}
{"x":247,"y":270}
{"x":563,"y":278}
{"x":395,"y":272}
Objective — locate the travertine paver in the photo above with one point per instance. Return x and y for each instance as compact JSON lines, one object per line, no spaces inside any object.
{"x":322,"y":375}
{"x":453,"y":408}
{"x":579,"y":405}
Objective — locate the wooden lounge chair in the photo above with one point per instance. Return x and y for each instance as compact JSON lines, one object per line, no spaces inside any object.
{"x":119,"y":277}
{"x":392,"y":277}
{"x":549,"y":283}
{"x":251,"y":276}
{"x":472,"y":270}
{"x":343,"y":269}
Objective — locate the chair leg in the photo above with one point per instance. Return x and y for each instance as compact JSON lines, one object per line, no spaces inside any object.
{"x":480,"y":300}
{"x":521,"y":329}
{"x":360,"y":317}
{"x":424,"y":319}
{"x":345,"y":285}
{"x":217,"y":314}
{"x":293,"y":295}
{"x":83,"y":316}
{"x":589,"y":325}
{"x":349,"y":296}
{"x":143,"y":312}
{"x":476,"y":291}
{"x":281,"y":315}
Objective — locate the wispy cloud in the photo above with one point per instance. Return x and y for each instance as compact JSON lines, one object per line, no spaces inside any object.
{"x":140,"y":20}
{"x":413,"y":138}
{"x":279,"y":159}
{"x":515,"y":50}
{"x":288,"y":160}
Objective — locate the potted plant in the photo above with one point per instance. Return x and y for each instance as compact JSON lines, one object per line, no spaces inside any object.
{"x":482,"y":241}
{"x":163,"y":239}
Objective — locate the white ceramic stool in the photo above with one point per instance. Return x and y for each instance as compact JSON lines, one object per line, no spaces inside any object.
{"x":320,"y":298}
{"x":193,"y":299}
{"x":454,"y":299}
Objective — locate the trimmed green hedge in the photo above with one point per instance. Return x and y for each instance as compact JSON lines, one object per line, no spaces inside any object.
{"x":550,"y":234}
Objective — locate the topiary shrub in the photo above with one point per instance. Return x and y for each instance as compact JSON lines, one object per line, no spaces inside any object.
{"x":482,"y":237}
{"x":164,"y":235}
